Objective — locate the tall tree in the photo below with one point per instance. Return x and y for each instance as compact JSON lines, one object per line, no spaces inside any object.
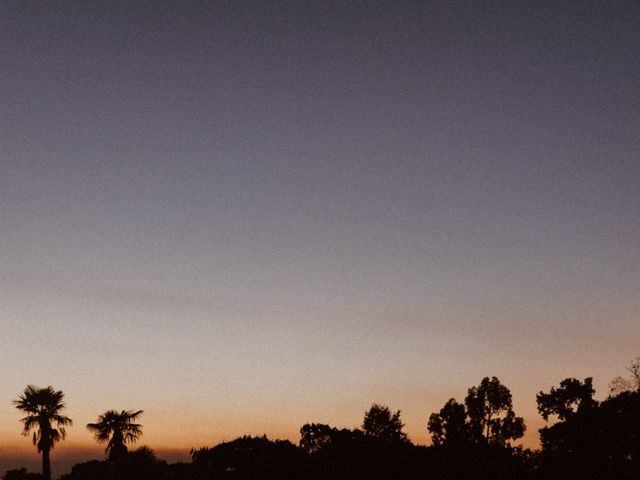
{"x":380,"y":423}
{"x":490,"y":412}
{"x":43,"y":407}
{"x":117,"y":429}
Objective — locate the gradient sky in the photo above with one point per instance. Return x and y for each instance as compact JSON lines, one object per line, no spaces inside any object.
{"x":245,"y":216}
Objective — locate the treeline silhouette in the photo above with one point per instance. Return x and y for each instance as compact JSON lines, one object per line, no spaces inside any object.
{"x":471,"y":440}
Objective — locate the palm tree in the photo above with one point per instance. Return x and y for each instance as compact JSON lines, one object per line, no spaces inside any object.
{"x":43,"y":406}
{"x":116,"y":428}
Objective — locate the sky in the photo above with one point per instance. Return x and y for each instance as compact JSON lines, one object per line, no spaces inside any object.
{"x":244,"y":216}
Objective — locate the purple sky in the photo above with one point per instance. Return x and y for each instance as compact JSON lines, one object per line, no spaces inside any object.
{"x":243,"y":216}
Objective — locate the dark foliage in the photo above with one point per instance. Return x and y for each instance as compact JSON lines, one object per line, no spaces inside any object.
{"x":490,"y":413}
{"x":249,"y":458}
{"x":141,"y":464}
{"x":591,"y":440}
{"x":21,"y":474}
{"x":585,"y":440}
{"x":94,"y":469}
{"x":573,"y":396}
{"x":486,"y":418}
{"x":448,"y":426}
{"x":383,"y":425}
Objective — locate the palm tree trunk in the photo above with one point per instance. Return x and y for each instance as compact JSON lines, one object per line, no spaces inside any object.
{"x":46,"y":464}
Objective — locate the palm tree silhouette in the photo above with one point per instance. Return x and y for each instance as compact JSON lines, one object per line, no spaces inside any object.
{"x":43,"y":406}
{"x":116,"y":428}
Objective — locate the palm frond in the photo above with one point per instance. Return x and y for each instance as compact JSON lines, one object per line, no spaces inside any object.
{"x":116,"y":428}
{"x":43,"y":406}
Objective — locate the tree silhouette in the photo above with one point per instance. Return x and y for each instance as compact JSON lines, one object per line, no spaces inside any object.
{"x":249,"y":458}
{"x":141,"y":464}
{"x":573,"y":406}
{"x":571,"y":397}
{"x":380,"y":423}
{"x":43,"y":407}
{"x":490,"y":412}
{"x":21,"y":474}
{"x":630,"y":384}
{"x":315,"y":436}
{"x":118,"y":429}
{"x":589,"y":439}
{"x":449,"y":427}
{"x":91,"y":470}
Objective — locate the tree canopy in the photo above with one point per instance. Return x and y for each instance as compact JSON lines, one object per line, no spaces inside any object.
{"x":383,"y":425}
{"x":487,"y":417}
{"x":448,"y":426}
{"x":572,"y":396}
{"x":490,"y":412}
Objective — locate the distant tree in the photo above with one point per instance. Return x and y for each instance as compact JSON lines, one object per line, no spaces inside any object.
{"x":141,"y":464}
{"x":383,"y":425}
{"x":43,"y":407}
{"x":449,"y":427}
{"x":618,"y":425}
{"x":21,"y":474}
{"x":490,"y":414}
{"x":315,"y":436}
{"x":630,"y":384}
{"x":91,"y":470}
{"x":117,"y":429}
{"x":572,"y":396}
{"x":181,"y":471}
{"x":254,"y":458}
{"x":345,"y":454}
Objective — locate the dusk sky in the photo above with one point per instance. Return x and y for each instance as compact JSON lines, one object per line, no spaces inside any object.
{"x":244,"y":216}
